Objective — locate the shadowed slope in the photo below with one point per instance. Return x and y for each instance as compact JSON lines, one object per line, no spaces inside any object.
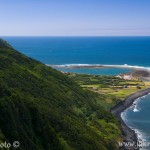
{"x":44,"y":109}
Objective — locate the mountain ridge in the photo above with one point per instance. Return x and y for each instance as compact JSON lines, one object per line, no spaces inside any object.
{"x":44,"y":109}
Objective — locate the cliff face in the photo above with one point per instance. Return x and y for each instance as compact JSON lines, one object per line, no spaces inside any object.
{"x":43,"y":109}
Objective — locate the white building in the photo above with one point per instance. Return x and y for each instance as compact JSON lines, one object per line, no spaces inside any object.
{"x":127,"y":77}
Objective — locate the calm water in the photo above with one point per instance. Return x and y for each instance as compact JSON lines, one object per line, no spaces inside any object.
{"x":95,"y":50}
{"x":100,"y":71}
{"x":85,"y":50}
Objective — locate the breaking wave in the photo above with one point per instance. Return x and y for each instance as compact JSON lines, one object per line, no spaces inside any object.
{"x":100,"y":65}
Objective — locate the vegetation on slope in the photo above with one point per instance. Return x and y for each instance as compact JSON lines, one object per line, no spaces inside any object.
{"x":44,"y":109}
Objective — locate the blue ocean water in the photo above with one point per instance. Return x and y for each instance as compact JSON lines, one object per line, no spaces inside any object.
{"x":86,"y":50}
{"x":137,"y":117}
{"x":95,"y":50}
{"x":96,"y":71}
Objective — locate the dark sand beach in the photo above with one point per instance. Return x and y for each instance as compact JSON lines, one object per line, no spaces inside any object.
{"x":128,"y":134}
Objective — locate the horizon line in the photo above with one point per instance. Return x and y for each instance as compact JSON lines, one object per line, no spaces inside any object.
{"x":75,"y":36}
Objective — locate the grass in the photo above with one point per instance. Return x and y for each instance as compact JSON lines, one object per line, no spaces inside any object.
{"x":122,"y":93}
{"x":116,"y":88}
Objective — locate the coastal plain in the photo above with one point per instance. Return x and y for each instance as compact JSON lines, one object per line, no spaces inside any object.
{"x":113,"y":87}
{"x":119,"y":95}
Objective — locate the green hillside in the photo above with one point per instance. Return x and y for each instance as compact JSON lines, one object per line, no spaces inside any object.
{"x":43,"y":109}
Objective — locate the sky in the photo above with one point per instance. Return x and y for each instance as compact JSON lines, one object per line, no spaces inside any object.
{"x":75,"y":17}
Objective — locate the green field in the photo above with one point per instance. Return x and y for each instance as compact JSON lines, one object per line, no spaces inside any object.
{"x":114,"y":87}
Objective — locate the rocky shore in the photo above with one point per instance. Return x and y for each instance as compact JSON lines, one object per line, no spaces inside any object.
{"x":128,"y":134}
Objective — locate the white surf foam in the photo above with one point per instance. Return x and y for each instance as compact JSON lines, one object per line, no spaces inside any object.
{"x":104,"y":65}
{"x":135,"y":106}
{"x":124,"y":116}
{"x":136,"y":109}
{"x":140,"y":135}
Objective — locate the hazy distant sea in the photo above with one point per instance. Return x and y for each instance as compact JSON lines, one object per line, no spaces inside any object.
{"x":95,"y":50}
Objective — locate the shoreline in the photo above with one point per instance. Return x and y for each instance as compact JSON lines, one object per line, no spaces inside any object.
{"x":94,"y":66}
{"x":129,"y":135}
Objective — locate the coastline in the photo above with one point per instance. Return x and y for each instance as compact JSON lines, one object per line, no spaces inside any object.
{"x":99,"y":66}
{"x":129,"y":135}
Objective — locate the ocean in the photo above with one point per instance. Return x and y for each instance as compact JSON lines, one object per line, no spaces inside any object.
{"x":134,"y":51}
{"x":137,"y":117}
{"x":85,"y":50}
